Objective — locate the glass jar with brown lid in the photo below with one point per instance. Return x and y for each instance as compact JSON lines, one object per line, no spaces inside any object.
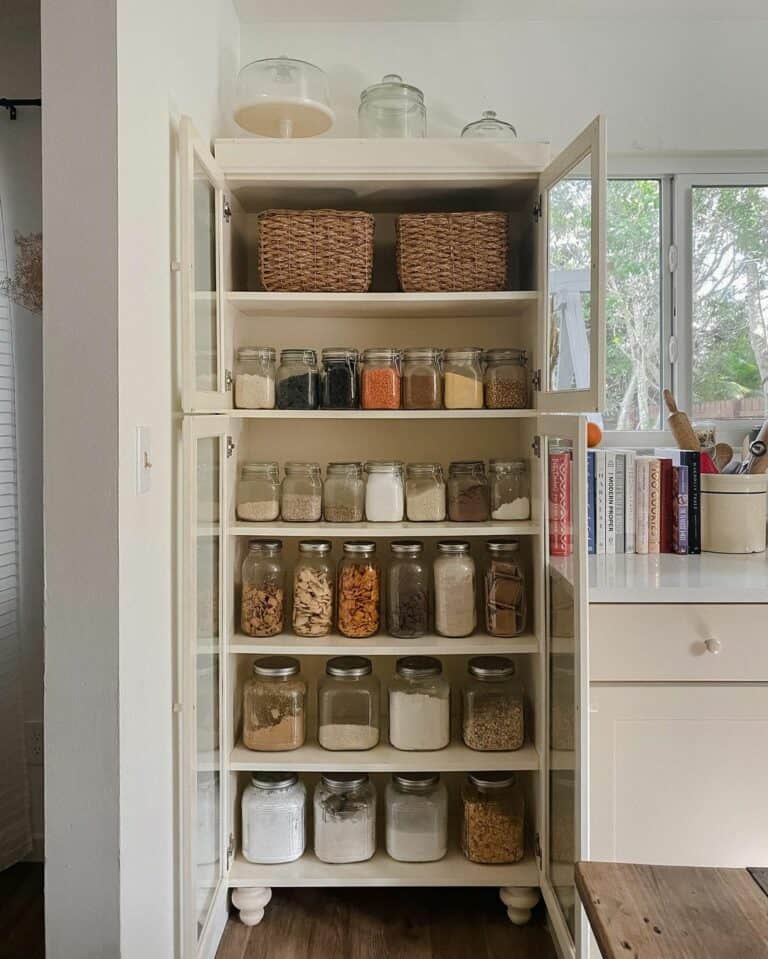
{"x":274,"y":705}
{"x":422,"y":378}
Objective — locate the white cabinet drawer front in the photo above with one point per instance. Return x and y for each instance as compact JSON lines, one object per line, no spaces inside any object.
{"x":678,"y":643}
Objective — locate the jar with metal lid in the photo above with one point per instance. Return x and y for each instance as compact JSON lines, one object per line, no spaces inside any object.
{"x":380,"y":377}
{"x":492,"y":716}
{"x":455,"y":589}
{"x":384,"y":491}
{"x":504,"y":589}
{"x":510,"y":489}
{"x":258,"y":492}
{"x":419,"y":705}
{"x":416,"y":806}
{"x":345,"y":818}
{"x":422,"y":378}
{"x":314,"y":580}
{"x":274,"y":820}
{"x":493,"y":818}
{"x":468,"y":492}
{"x":255,"y":378}
{"x":392,"y":109}
{"x":263,"y":592}
{"x":348,"y":704}
{"x":506,"y":380}
{"x":301,"y":495}
{"x":407,"y":590}
{"x":358,"y":590}
{"x":338,"y":380}
{"x":297,"y":380}
{"x":489,"y":127}
{"x":274,"y":705}
{"x":463,"y":379}
{"x":424,"y":493}
{"x":344,"y":493}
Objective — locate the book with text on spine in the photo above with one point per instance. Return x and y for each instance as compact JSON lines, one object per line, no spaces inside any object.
{"x":610,"y":501}
{"x":680,"y":510}
{"x":654,"y":505}
{"x":642,"y":481}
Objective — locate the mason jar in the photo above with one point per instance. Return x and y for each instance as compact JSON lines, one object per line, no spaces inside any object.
{"x":407,"y":590}
{"x":463,"y":379}
{"x":255,"y":378}
{"x":424,"y":493}
{"x":468,"y":493}
{"x":380,"y":378}
{"x":297,"y":380}
{"x":344,"y":493}
{"x":348,"y":704}
{"x":506,"y":380}
{"x":345,"y":818}
{"x":358,"y":590}
{"x":314,"y":580}
{"x":392,"y":108}
{"x":274,"y":705}
{"x":419,"y":705}
{"x":301,"y":494}
{"x":338,"y":379}
{"x":263,"y":592}
{"x":274,"y":818}
{"x":455,"y":589}
{"x":492,"y":715}
{"x":384,"y":491}
{"x":416,"y":809}
{"x":510,"y":489}
{"x":504,"y":589}
{"x":258,"y":492}
{"x":422,"y":378}
{"x":492,"y":818}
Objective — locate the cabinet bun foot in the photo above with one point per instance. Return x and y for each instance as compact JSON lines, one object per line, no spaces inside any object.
{"x":251,"y":903}
{"x":519,"y":901}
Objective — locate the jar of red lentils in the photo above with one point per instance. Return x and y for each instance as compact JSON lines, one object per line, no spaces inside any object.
{"x":380,"y":378}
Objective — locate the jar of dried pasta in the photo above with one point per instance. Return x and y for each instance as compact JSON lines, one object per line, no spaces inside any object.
{"x":493,"y":818}
{"x":358,"y":590}
{"x":313,"y":585}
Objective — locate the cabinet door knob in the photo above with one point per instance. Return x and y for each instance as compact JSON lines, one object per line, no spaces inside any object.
{"x":713,"y":646}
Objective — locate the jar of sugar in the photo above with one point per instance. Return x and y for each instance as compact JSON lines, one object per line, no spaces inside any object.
{"x":255,"y":378}
{"x":384,"y":492}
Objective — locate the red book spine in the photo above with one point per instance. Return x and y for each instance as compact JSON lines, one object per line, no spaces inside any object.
{"x":560,"y":518}
{"x":665,"y":538}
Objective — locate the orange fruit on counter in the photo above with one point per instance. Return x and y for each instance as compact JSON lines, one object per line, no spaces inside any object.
{"x":594,"y":434}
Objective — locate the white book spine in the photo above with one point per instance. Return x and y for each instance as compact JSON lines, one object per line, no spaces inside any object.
{"x":600,"y":500}
{"x":642,"y":475}
{"x":629,"y":501}
{"x":621,"y":460}
{"x":610,"y":502}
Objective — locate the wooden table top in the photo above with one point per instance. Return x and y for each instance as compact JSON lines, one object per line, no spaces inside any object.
{"x":674,"y":912}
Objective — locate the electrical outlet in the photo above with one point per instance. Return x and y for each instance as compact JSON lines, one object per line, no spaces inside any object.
{"x":33,"y":743}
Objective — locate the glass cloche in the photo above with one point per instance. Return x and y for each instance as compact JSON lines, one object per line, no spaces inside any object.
{"x":281,"y":97}
{"x":489,"y":127}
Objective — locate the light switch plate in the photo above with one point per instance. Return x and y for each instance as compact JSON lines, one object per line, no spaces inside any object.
{"x":143,"y":459}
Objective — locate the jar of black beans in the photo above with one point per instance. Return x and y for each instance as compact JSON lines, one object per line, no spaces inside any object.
{"x":297,"y":380}
{"x":338,"y":380}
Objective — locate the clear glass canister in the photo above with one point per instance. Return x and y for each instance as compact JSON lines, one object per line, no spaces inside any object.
{"x":455,"y":589}
{"x":392,"y":109}
{"x":258,"y":492}
{"x":416,"y":817}
{"x":297,"y":380}
{"x":463,"y":379}
{"x":422,"y":378}
{"x":338,"y":380}
{"x":384,"y":491}
{"x":380,"y":377}
{"x":468,"y":492}
{"x":506,"y":380}
{"x":407,"y":590}
{"x":419,"y":705}
{"x":492,"y":716}
{"x":424,"y":492}
{"x":345,"y":818}
{"x":493,"y":818}
{"x":301,"y":495}
{"x":274,"y":705}
{"x":255,"y":378}
{"x":314,"y":580}
{"x":274,"y":818}
{"x":504,"y":589}
{"x":282,"y":97}
{"x":358,"y":590}
{"x":263,"y":594}
{"x":348,"y":704}
{"x":344,"y":493}
{"x":510,"y":489}
{"x":489,"y":127}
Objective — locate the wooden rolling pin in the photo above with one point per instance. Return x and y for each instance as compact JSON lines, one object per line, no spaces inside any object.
{"x":680,"y":425}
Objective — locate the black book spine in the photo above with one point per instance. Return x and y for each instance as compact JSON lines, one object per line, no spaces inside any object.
{"x":692,"y":459}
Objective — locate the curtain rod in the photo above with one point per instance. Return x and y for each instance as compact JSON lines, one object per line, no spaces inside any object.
{"x":11,"y":105}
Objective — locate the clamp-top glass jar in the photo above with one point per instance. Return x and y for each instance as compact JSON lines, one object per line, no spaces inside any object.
{"x":463,"y":385}
{"x":506,"y":380}
{"x":468,"y":500}
{"x":408,"y":590}
{"x":380,"y":378}
{"x":297,"y":380}
{"x":489,"y":127}
{"x":510,"y":489}
{"x":255,"y":378}
{"x":344,"y":493}
{"x":274,"y":705}
{"x":301,"y":497}
{"x":384,"y":491}
{"x":493,"y":818}
{"x":263,"y":593}
{"x":348,"y":704}
{"x":392,"y":109}
{"x":424,"y":493}
{"x":422,"y":378}
{"x":258,"y":492}
{"x":338,"y":380}
{"x":493,"y":715}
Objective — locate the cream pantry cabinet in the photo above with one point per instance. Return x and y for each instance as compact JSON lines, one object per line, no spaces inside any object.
{"x":554,"y":310}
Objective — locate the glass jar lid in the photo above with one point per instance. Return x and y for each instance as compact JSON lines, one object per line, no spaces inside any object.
{"x":492,"y":780}
{"x":389,"y":353}
{"x":365,"y":547}
{"x":266,"y":354}
{"x":276,"y":666}
{"x":317,"y":546}
{"x":406,"y":547}
{"x":502,"y":545}
{"x":491,"y":667}
{"x":390,"y":90}
{"x":415,"y":782}
{"x":418,"y":667}
{"x":294,"y":468}
{"x":490,"y":127}
{"x":265,"y":545}
{"x":507,"y":354}
{"x":307,"y":357}
{"x":462,"y":353}
{"x":349,"y":666}
{"x":414,"y":353}
{"x":251,"y":470}
{"x":508,"y":466}
{"x":339,"y":354}
{"x":274,"y":780}
{"x":343,"y":469}
{"x":467,"y":467}
{"x":424,"y":469}
{"x":453,"y":546}
{"x":344,"y":782}
{"x":383,"y":466}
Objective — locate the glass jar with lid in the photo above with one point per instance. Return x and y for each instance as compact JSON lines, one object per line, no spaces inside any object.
{"x":463,"y":379}
{"x":258,"y":492}
{"x":504,"y":589}
{"x":419,"y":705}
{"x":468,"y":492}
{"x":455,"y":589}
{"x":345,"y":818}
{"x":255,"y":378}
{"x":301,"y":494}
{"x":282,"y":97}
{"x":424,"y":493}
{"x":274,"y":705}
{"x":422,"y":378}
{"x":338,"y":380}
{"x":510,"y":489}
{"x":314,"y":580}
{"x":358,"y":590}
{"x":506,"y":380}
{"x":348,"y":704}
{"x":416,"y":807}
{"x":384,"y":491}
{"x":392,"y":109}
{"x":297,"y":380}
{"x":263,"y":592}
{"x":407,"y":590}
{"x":273,"y":815}
{"x":492,"y":716}
{"x":492,"y":818}
{"x":344,"y":493}
{"x":380,"y":377}
{"x":490,"y":127}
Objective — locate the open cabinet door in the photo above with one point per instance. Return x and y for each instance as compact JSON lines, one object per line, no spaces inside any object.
{"x":206,"y":381}
{"x":571,"y":258}
{"x":564,"y":662}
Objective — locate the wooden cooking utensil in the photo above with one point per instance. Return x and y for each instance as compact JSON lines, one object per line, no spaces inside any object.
{"x":680,"y":425}
{"x":723,"y":454}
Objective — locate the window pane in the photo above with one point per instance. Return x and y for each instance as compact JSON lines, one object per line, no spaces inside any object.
{"x":730,"y":300}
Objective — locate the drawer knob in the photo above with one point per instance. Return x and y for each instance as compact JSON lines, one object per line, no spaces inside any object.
{"x":713,"y":646}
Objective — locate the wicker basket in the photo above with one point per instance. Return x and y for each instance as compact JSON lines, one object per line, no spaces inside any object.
{"x":315,"y":251}
{"x":452,"y":252}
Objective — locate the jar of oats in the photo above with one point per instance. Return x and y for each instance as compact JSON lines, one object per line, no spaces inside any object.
{"x":313,"y":584}
{"x":358,"y":590}
{"x":263,"y":594}
{"x":492,"y":818}
{"x":493,"y":705}
{"x":258,"y":492}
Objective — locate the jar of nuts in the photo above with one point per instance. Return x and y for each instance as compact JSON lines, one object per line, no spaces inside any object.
{"x":359,"y":590}
{"x":263,"y":596}
{"x":493,"y":705}
{"x":493,"y":818}
{"x":506,"y":379}
{"x":313,"y":584}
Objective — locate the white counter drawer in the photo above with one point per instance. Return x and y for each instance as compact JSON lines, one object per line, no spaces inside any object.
{"x":640,"y":642}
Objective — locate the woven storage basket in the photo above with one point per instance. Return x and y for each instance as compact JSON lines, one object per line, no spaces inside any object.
{"x":315,"y":251}
{"x":454,"y":252}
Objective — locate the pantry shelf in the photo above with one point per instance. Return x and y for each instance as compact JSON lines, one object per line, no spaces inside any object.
{"x":440,"y":415}
{"x":430,"y":645}
{"x":386,"y":530}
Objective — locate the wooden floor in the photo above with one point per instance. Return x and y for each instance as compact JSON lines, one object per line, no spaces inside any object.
{"x":386,"y":924}
{"x":22,"y":934}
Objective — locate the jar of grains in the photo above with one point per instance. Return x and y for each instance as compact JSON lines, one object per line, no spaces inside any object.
{"x":338,"y":380}
{"x":455,"y":589}
{"x":424,"y":492}
{"x":407,"y":590}
{"x":273,"y":811}
{"x":348,"y":704}
{"x":506,"y":379}
{"x":313,"y":585}
{"x":258,"y":492}
{"x":422,"y":378}
{"x":463,"y":379}
{"x":344,"y":493}
{"x":468,"y":493}
{"x":301,"y":495}
{"x":345,"y":818}
{"x":493,"y":818}
{"x":416,"y":817}
{"x":297,"y":380}
{"x":492,"y":715}
{"x":274,"y":705}
{"x":263,"y":593}
{"x":510,"y":489}
{"x":504,"y":589}
{"x":384,"y":491}
{"x":419,"y":705}
{"x":380,"y":379}
{"x":358,"y":590}
{"x":255,"y":378}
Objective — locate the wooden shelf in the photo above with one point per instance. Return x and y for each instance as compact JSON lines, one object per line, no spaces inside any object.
{"x":430,"y":645}
{"x":386,"y":530}
{"x":404,"y":415}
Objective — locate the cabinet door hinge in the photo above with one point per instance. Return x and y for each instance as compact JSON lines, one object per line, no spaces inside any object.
{"x":230,"y":446}
{"x":536,"y":380}
{"x":672,"y":258}
{"x":536,"y":446}
{"x":228,"y":381}
{"x":227,"y":209}
{"x":537,"y":850}
{"x":537,"y":208}
{"x":230,"y":850}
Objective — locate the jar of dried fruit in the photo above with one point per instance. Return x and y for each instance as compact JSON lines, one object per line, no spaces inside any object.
{"x":506,"y":379}
{"x":493,"y":717}
{"x":274,"y":705}
{"x":493,"y":818}
{"x":313,"y":585}
{"x":263,"y":595}
{"x":359,"y":590}
{"x":380,"y":379}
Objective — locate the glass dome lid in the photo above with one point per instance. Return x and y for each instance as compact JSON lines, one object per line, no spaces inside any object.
{"x":282,"y":97}
{"x":392,"y":86}
{"x":490,"y":127}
